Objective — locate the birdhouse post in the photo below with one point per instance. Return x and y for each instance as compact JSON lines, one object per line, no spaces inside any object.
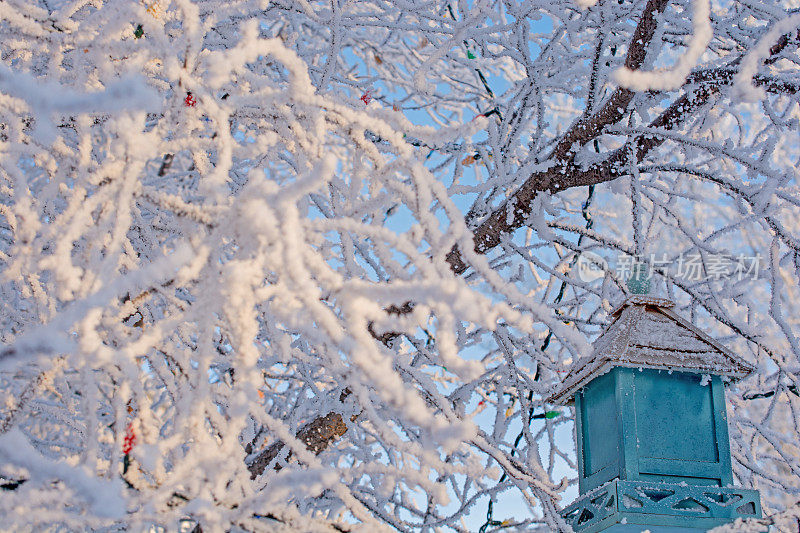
{"x":651,"y":426}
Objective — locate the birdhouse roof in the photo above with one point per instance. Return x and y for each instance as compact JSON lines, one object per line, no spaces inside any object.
{"x":646,"y":333}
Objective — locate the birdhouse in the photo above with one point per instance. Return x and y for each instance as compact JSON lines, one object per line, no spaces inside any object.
{"x":651,"y":426}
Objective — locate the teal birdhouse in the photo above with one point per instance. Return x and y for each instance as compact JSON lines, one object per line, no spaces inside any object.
{"x":651,"y":426}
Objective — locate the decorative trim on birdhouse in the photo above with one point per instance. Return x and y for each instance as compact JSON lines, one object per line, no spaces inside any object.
{"x":646,"y":333}
{"x":647,"y":504}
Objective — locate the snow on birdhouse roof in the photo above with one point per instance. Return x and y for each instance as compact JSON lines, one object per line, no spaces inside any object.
{"x":646,"y":333}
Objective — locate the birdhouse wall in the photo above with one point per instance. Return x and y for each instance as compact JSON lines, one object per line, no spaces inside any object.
{"x":599,"y":432}
{"x":652,"y":425}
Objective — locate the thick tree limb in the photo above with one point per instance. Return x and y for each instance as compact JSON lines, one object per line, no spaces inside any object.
{"x":615,"y":108}
{"x":316,"y":435}
{"x":565,"y":173}
{"x":488,"y":234}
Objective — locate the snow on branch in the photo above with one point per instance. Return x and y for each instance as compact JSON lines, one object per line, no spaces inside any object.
{"x":743,"y":87}
{"x":46,"y":98}
{"x":675,"y":76}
